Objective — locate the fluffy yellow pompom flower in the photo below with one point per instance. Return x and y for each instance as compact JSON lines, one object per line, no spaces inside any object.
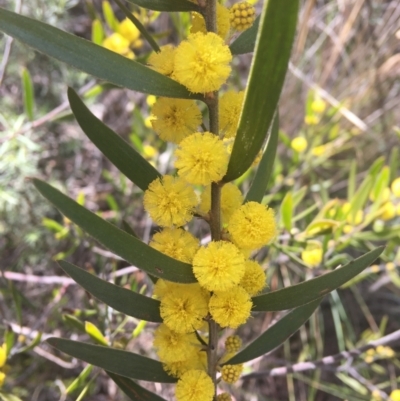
{"x":201,"y":159}
{"x":118,"y":44}
{"x":312,"y":257}
{"x":170,"y":201}
{"x":252,"y":225}
{"x":201,"y":62}
{"x":230,"y":107}
{"x":172,"y":346}
{"x":395,"y":395}
{"x":231,"y":373}
{"x":230,"y":308}
{"x":163,"y":61}
{"x":223,"y":22}
{"x":242,"y":16}
{"x":184,"y":309}
{"x":254,"y":278}
{"x":128,"y":30}
{"x":197,"y":361}
{"x":224,"y":397}
{"x":299,"y":144}
{"x":195,"y":385}
{"x":177,"y":243}
{"x":231,"y":200}
{"x":175,"y":119}
{"x":219,"y":266}
{"x":395,"y":187}
{"x":233,"y":343}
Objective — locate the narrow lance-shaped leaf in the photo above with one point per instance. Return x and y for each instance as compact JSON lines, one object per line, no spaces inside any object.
{"x":308,"y":291}
{"x":121,"y":243}
{"x":266,"y":166}
{"x":121,"y":299}
{"x":167,"y":5}
{"x":133,"y":390}
{"x":276,"y":334}
{"x":124,"y":363}
{"x":119,"y":152}
{"x":267,"y":74}
{"x":89,"y":57}
{"x":29,"y":101}
{"x":246,"y":41}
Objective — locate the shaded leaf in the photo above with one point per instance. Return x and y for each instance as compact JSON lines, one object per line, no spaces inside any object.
{"x":121,"y":299}
{"x":311,"y":290}
{"x":89,"y":57}
{"x":276,"y":334}
{"x":28,"y":93}
{"x":267,"y":74}
{"x":126,"y":246}
{"x":167,"y":5}
{"x":119,"y":152}
{"x":246,"y":41}
{"x":133,"y":390}
{"x":124,"y":363}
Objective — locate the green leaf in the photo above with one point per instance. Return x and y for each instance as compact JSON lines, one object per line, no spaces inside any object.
{"x":126,"y":246}
{"x":246,"y":41}
{"x":27,"y":87}
{"x":311,"y":290}
{"x":97,"y":32}
{"x":267,"y":74}
{"x":119,"y":152}
{"x":133,"y":390}
{"x":265,"y":168}
{"x":89,"y":57}
{"x":276,"y":334}
{"x":95,"y":333}
{"x":124,"y":363}
{"x":80,"y":380}
{"x":109,"y":15}
{"x":167,"y":5}
{"x":287,"y":210}
{"x":121,"y":299}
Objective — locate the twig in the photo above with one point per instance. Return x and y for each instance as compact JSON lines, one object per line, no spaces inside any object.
{"x":353,"y":372}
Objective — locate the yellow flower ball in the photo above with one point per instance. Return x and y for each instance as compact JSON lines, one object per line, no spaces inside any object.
{"x":128,"y":30}
{"x":242,"y":16}
{"x":172,"y":346}
{"x":311,"y":119}
{"x":388,"y":211}
{"x":219,"y":266}
{"x":175,"y":119}
{"x":254,"y":278}
{"x":231,"y":200}
{"x":223,"y":24}
{"x":195,"y":385}
{"x":318,"y":105}
{"x":395,"y":395}
{"x":384,"y":195}
{"x":201,"y":159}
{"x":299,"y":144}
{"x":231,"y":373}
{"x":395,"y":187}
{"x":176,"y":243}
{"x":197,"y":361}
{"x":230,"y":108}
{"x":252,"y":225}
{"x":230,"y":308}
{"x":233,"y":343}
{"x":202,"y":62}
{"x":170,"y":201}
{"x":224,"y":397}
{"x":319,"y":150}
{"x":184,"y":309}
{"x":118,"y":44}
{"x":312,"y":257}
{"x":163,"y":61}
{"x":3,"y":355}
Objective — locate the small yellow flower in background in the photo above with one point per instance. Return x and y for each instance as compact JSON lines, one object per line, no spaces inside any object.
{"x":223,"y":23}
{"x":395,"y":187}
{"x":375,"y":269}
{"x":376,"y":395}
{"x":184,"y":309}
{"x":219,"y":266}
{"x":312,"y":257}
{"x":3,"y":355}
{"x":149,"y":151}
{"x":224,"y":397}
{"x":201,"y":62}
{"x":299,"y":144}
{"x":176,"y":243}
{"x":150,"y":100}
{"x":118,"y":44}
{"x":385,"y":195}
{"x":147,"y":121}
{"x":231,"y":200}
{"x":242,"y":16}
{"x":390,"y":266}
{"x":195,"y":385}
{"x":233,"y":343}
{"x":388,"y":211}
{"x":252,"y":225}
{"x":230,"y":107}
{"x":318,"y":150}
{"x":254,"y":278}
{"x":318,"y":105}
{"x":231,"y":373}
{"x":175,"y":119}
{"x":201,"y":159}
{"x":369,"y":355}
{"x":128,"y":30}
{"x":170,"y":201}
{"x":311,"y":119}
{"x":230,"y":308}
{"x":356,"y":219}
{"x":385,"y":352}
{"x":163,"y":61}
{"x":395,"y":395}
